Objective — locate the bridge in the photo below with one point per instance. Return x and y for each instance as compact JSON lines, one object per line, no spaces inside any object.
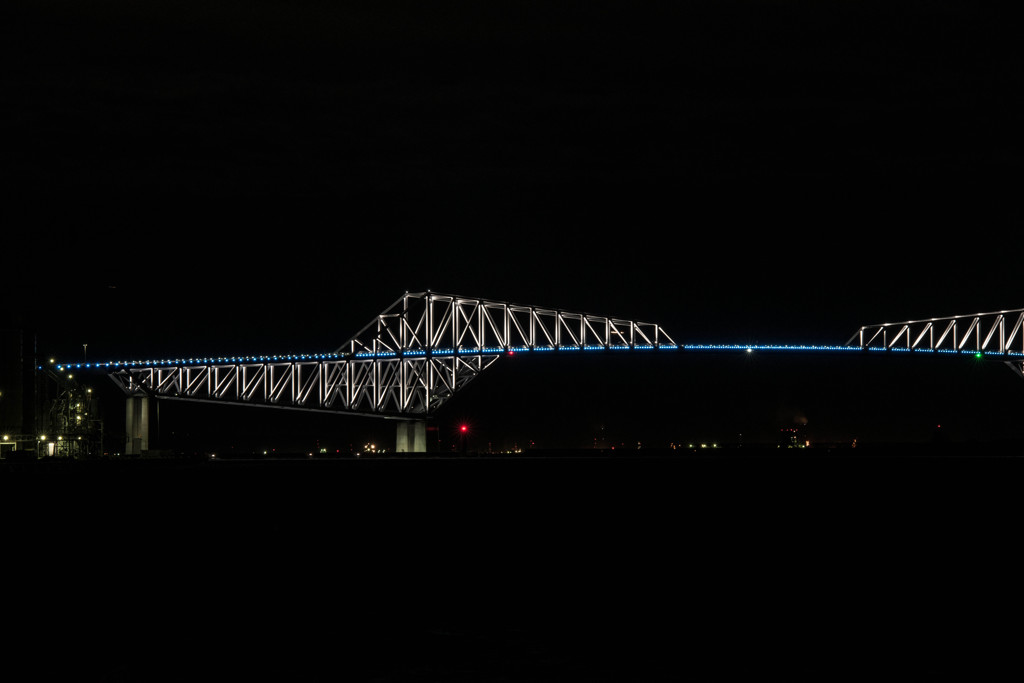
{"x":417,"y":354}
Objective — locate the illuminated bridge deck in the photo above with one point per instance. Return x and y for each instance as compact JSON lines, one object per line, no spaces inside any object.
{"x":419,"y":353}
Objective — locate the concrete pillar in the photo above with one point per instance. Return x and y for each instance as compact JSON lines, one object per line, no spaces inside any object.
{"x":137,"y":424}
{"x":411,"y":436}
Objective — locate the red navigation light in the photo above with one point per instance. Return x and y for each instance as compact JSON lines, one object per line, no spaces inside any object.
{"x":463,"y":429}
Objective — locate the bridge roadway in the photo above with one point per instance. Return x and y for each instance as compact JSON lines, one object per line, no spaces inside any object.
{"x":113,"y":366}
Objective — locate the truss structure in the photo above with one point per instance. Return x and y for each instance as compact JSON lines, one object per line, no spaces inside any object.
{"x":998,"y":334}
{"x":409,"y":361}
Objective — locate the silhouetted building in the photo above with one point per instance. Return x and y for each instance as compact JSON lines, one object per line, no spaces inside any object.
{"x":18,"y":390}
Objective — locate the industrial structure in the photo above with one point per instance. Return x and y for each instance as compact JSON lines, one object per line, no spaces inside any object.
{"x":44,"y":411}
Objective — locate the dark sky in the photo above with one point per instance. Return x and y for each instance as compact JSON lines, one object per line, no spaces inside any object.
{"x":192,"y":178}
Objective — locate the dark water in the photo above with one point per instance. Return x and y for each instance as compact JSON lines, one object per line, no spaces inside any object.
{"x":898,"y":561}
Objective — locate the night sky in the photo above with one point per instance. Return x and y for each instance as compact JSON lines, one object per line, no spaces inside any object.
{"x":231,"y":178}
{"x":202,"y":178}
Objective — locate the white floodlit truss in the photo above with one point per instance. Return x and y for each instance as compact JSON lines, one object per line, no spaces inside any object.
{"x":997,"y":334}
{"x":409,"y":361}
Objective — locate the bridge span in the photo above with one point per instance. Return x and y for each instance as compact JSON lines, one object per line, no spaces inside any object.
{"x":418,"y":353}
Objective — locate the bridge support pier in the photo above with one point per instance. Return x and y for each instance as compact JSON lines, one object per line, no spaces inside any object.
{"x":137,"y":425}
{"x":411,"y":436}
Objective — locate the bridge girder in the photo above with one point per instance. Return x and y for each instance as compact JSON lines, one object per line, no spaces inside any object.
{"x":408,"y":361}
{"x":997,"y":334}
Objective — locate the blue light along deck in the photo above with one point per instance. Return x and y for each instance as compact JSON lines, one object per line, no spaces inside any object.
{"x":494,"y":350}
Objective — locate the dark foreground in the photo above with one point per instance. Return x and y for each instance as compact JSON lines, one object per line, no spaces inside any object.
{"x":522,"y":569}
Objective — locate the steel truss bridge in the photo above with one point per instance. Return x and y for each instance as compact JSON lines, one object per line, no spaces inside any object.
{"x":422,"y":350}
{"x":407,"y":362}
